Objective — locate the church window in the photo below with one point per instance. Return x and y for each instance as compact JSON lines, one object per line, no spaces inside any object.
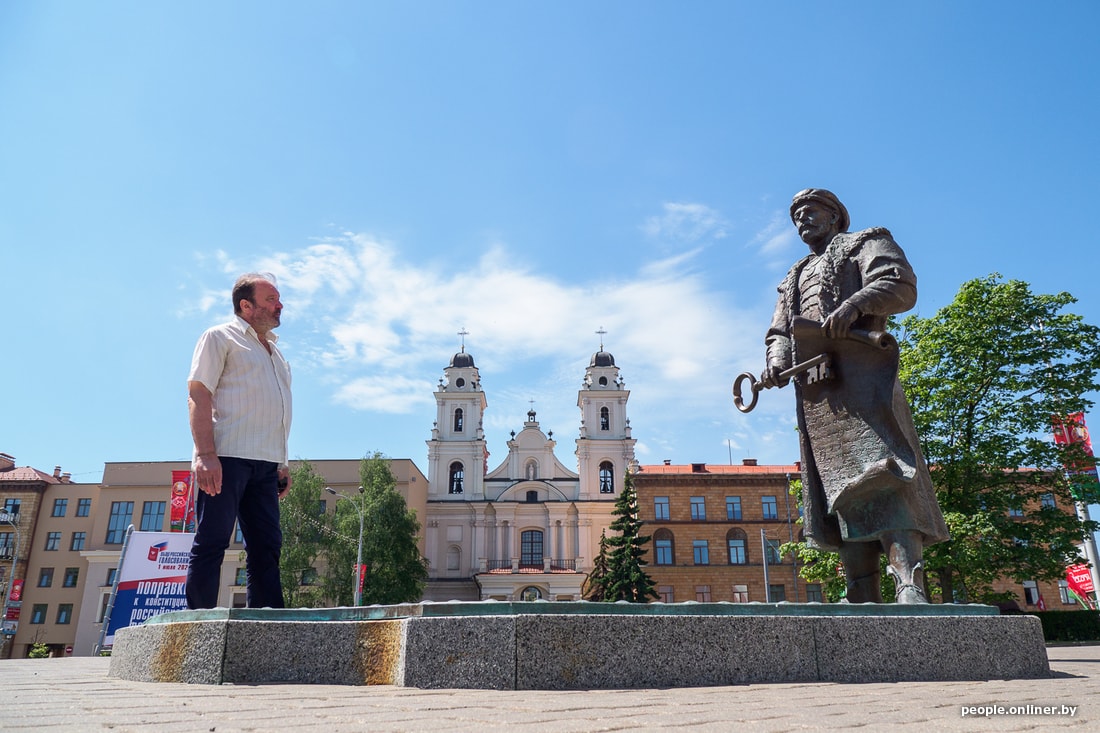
{"x":456,"y":478}
{"x":607,"y":480}
{"x":458,"y":420}
{"x":530,"y":548}
{"x":605,"y":418}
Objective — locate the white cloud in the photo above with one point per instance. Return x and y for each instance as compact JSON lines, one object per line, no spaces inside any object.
{"x":686,"y":222}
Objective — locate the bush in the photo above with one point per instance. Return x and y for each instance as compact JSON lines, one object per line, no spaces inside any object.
{"x":38,"y":651}
{"x":1070,"y":625}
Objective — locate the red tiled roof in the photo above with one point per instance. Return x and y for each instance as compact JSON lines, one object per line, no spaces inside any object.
{"x":27,"y":473}
{"x":660,"y":468}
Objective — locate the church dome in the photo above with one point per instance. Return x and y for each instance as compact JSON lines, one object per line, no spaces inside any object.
{"x":462,"y":359}
{"x":602,"y":359}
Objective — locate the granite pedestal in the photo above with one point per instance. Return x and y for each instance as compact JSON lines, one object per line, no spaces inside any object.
{"x":579,"y":645}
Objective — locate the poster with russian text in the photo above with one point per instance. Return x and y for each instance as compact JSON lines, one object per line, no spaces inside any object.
{"x":151,"y":579}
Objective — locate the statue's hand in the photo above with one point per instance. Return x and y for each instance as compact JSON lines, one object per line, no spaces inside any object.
{"x":770,"y":376}
{"x":840,"y":321}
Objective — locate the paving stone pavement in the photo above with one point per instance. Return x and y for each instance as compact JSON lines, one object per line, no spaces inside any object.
{"x":75,"y":694}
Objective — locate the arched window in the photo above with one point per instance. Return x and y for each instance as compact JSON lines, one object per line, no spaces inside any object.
{"x":737,"y":543}
{"x":663,"y":549}
{"x":530,"y":593}
{"x":458,"y":420}
{"x":530,"y":548}
{"x":456,"y":478}
{"x":605,"y":418}
{"x":607,"y":478}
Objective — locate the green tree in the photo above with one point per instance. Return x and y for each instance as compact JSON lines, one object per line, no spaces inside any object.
{"x":817,"y":566}
{"x":626,"y":578}
{"x":305,"y":538}
{"x":595,"y":585}
{"x":395,"y":572}
{"x":985,"y":376}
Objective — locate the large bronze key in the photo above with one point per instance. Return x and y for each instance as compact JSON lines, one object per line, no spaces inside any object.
{"x":756,"y":386}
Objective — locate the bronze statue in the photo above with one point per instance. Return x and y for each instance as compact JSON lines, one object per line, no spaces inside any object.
{"x":865,"y":485}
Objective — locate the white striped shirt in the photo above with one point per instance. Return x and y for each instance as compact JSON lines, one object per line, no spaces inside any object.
{"x":250,"y":388}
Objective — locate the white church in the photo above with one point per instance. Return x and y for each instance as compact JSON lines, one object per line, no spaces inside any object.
{"x":530,"y":528}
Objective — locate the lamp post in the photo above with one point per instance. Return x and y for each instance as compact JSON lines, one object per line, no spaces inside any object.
{"x":358,"y":593}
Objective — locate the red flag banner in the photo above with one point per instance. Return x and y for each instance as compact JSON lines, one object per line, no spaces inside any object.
{"x":183,"y":508}
{"x":1079,"y":579}
{"x":1071,"y":430}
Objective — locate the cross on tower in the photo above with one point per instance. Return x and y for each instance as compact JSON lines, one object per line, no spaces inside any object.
{"x":463,"y":334}
{"x":601,"y":332}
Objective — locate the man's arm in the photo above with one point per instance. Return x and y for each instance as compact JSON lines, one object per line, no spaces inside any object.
{"x":200,"y":407}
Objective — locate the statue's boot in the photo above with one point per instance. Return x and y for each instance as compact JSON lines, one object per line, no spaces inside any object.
{"x":905,"y":552}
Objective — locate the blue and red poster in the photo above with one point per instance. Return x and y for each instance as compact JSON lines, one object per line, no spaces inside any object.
{"x":151,"y":579}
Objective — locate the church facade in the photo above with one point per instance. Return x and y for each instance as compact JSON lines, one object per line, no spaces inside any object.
{"x":529,"y":528}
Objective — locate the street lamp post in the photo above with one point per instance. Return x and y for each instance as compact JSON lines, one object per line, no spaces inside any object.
{"x":358,"y":593}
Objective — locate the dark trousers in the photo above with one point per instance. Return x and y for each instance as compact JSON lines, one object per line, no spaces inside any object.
{"x":250,"y":495}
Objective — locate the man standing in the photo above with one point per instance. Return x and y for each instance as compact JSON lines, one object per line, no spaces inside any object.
{"x":239,"y":405}
{"x":866,"y":487}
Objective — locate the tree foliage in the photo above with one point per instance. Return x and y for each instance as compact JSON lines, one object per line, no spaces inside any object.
{"x":304,"y":525}
{"x":395,"y":572}
{"x":625,"y":578}
{"x":985,"y":376}
{"x":595,"y":585}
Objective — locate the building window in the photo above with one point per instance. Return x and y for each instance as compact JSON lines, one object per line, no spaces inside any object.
{"x":309,"y":576}
{"x":533,"y":497}
{"x":122,"y":515}
{"x":738,"y":546}
{"x":456,"y":478}
{"x":65,"y":613}
{"x":45,"y":577}
{"x":770,"y":507}
{"x":1046,"y":501}
{"x":60,"y":506}
{"x":152,"y":516}
{"x":530,"y":548}
{"x":698,"y":508}
{"x":813,"y":593}
{"x":83,"y":507}
{"x":660,"y":507}
{"x":112,"y":575}
{"x":773,"y":551}
{"x":1014,"y":512}
{"x":77,"y":543}
{"x":238,"y":535}
{"x":702,"y":593}
{"x":53,"y":541}
{"x":242,"y":577}
{"x":458,"y":420}
{"x":607,"y":478}
{"x":1031,"y":593}
{"x":71,"y":577}
{"x":530,"y":593}
{"x":454,"y":557}
{"x":733,"y":507}
{"x":662,"y":544}
{"x":664,"y":594}
{"x":605,"y":418}
{"x":38,"y":613}
{"x":740,"y":594}
{"x":11,"y":506}
{"x":777,"y":593}
{"x":7,"y":547}
{"x":1063,"y":593}
{"x":701,"y":551}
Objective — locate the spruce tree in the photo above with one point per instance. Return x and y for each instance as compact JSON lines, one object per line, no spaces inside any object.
{"x":626,"y":578}
{"x":595,"y":586}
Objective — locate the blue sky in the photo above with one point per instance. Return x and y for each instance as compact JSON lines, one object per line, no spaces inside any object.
{"x":528,"y":171}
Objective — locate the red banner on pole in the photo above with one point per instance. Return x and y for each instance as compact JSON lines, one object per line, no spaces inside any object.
{"x":183,"y":506}
{"x":1079,"y":579}
{"x":1071,"y":430}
